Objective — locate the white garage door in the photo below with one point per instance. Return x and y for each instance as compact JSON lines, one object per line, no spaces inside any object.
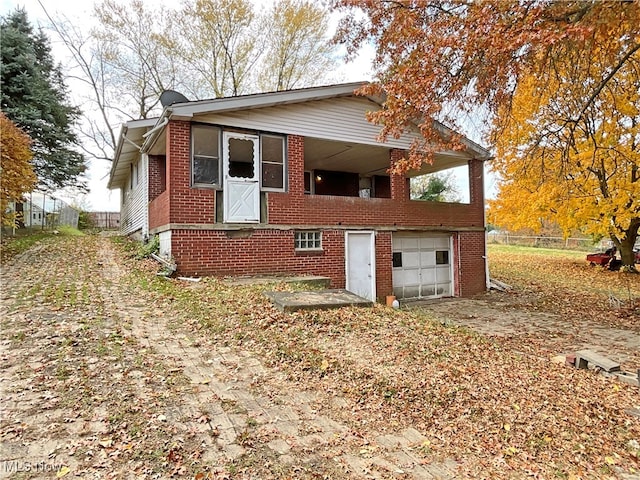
{"x":422,"y":266}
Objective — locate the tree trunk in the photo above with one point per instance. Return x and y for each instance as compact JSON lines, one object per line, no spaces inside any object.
{"x":625,"y":244}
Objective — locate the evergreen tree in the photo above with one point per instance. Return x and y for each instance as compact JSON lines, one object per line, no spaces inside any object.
{"x":34,"y":97}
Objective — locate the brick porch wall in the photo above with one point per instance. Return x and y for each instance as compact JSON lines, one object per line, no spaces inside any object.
{"x":257,"y":252}
{"x":470,"y":267}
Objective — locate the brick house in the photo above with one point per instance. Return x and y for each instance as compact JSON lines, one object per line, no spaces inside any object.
{"x":296,"y":183}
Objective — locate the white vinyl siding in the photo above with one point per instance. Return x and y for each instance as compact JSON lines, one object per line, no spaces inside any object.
{"x":134,"y":212}
{"x":334,"y":119}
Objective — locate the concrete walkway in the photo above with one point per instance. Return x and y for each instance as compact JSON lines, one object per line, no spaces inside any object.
{"x":317,"y":299}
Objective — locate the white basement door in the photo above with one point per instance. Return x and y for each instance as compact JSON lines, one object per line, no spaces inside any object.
{"x":422,"y":265}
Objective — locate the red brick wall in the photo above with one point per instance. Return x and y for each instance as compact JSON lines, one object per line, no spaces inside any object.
{"x":214,"y":252}
{"x":179,"y":202}
{"x":188,"y":205}
{"x":470,"y":270}
{"x":159,"y":211}
{"x":268,"y":251}
{"x":197,"y":205}
{"x":157,"y":175}
{"x":295,"y":208}
{"x":384,"y":265}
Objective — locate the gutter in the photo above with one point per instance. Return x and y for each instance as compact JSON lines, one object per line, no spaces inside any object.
{"x":116,"y":154}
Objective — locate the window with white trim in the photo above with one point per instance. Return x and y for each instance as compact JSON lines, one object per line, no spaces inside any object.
{"x":272,"y":149}
{"x":308,"y":240}
{"x":205,"y":156}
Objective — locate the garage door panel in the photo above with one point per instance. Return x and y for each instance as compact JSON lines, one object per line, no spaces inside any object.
{"x":444,"y":290}
{"x":441,"y":243}
{"x":426,"y":266}
{"x":406,"y":277}
{"x":443,"y":274}
{"x":409,"y":243}
{"x":427,"y":243}
{"x":427,"y":258}
{"x":427,"y":275}
{"x":428,"y":291}
{"x":410,"y":259}
{"x":411,"y":291}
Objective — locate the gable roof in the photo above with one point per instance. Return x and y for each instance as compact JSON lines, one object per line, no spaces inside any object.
{"x":139,"y":136}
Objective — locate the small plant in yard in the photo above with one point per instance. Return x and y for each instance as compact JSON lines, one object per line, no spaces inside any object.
{"x":146,"y":249}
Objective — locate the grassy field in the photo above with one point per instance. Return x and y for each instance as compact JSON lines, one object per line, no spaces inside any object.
{"x":562,"y":281}
{"x":15,"y":244}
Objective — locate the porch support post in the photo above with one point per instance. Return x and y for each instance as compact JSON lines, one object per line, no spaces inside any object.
{"x":399,"y":183}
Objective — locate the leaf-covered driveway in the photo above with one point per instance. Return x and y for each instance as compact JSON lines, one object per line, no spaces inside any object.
{"x":95,"y":384}
{"x":111,"y":372}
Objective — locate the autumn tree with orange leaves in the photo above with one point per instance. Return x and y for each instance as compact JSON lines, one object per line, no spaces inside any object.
{"x":557,"y":80}
{"x":16,"y":169}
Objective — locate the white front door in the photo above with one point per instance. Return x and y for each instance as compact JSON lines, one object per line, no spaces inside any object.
{"x":361,"y":264}
{"x":241,"y":164}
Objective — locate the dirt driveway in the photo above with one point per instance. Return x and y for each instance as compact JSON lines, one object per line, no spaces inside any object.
{"x":97,"y":382}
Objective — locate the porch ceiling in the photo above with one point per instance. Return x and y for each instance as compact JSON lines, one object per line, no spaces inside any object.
{"x":365,"y":159}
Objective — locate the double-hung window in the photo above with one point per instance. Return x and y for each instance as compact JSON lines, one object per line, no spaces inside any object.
{"x":272,"y":149}
{"x":205,"y":156}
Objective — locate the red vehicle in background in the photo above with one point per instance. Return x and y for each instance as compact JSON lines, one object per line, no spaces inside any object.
{"x":608,"y":258}
{"x":601,"y":259}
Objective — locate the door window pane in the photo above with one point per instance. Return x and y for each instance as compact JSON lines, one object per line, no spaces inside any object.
{"x":241,"y":158}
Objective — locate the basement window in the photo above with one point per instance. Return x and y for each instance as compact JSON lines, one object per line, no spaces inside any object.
{"x":308,"y":240}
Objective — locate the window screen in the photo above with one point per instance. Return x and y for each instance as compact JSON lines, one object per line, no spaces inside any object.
{"x":273,"y":165}
{"x":205,"y":151}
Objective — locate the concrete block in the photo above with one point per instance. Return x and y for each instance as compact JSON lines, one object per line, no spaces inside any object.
{"x":584,"y":357}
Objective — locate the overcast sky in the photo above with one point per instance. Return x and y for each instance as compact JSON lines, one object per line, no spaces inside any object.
{"x":100,"y":198}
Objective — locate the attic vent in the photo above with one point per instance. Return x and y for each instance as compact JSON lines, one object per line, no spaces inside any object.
{"x":169,"y":97}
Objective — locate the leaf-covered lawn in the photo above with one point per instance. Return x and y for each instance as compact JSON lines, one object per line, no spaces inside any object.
{"x":563,"y":282}
{"x":498,"y":409}
{"x":499,"y":413}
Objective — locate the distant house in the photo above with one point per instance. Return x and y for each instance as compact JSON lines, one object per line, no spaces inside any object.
{"x":296,"y":182}
{"x":33,"y":215}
